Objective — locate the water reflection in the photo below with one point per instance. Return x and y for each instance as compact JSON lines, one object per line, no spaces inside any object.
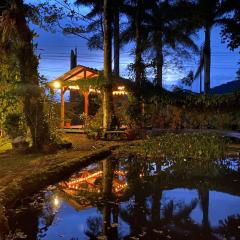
{"x":136,"y":199}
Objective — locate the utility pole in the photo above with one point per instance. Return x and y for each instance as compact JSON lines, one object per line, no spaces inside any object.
{"x":200,"y":75}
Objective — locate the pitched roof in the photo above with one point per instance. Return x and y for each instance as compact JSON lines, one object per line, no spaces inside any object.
{"x":78,"y":72}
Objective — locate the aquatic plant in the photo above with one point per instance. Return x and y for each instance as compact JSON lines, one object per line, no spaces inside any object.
{"x":179,"y":146}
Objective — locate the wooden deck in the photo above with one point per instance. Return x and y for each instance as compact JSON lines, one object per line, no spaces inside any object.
{"x":73,"y":129}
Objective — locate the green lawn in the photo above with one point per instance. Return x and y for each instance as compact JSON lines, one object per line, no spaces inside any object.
{"x":15,"y":165}
{"x":5,"y":145}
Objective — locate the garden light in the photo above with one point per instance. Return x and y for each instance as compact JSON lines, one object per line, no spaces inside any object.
{"x":56,"y":85}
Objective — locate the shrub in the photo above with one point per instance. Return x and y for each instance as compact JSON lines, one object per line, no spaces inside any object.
{"x":14,"y":125}
{"x":93,"y":124}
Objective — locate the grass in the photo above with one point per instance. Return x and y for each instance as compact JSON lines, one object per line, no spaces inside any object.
{"x":14,"y":165}
{"x":5,"y":145}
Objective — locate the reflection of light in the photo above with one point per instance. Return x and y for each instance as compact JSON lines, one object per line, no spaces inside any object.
{"x":85,"y":178}
{"x":56,"y":85}
{"x":119,"y":185}
{"x":96,"y":174}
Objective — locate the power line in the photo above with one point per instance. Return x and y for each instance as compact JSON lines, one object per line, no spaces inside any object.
{"x":84,"y":18}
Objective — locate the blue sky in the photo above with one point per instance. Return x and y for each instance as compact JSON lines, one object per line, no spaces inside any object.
{"x":54,"y":50}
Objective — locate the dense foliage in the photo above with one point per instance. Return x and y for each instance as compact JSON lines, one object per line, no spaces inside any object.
{"x":183,"y":146}
{"x":230,"y":32}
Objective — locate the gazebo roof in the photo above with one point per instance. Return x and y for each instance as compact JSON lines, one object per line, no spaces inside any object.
{"x":83,"y":72}
{"x":77,"y":73}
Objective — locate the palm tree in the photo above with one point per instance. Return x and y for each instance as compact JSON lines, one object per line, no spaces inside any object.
{"x":96,"y":40}
{"x":16,"y":33}
{"x":95,"y":22}
{"x":211,"y":13}
{"x":165,"y":28}
{"x":98,"y":8}
{"x":135,"y":11}
{"x":116,"y":37}
{"x":230,"y":32}
{"x":107,"y":94}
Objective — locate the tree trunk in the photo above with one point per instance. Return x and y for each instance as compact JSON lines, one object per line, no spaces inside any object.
{"x":203,"y":193}
{"x":207,"y":60}
{"x":28,"y":65}
{"x":139,"y":67}
{"x":159,"y":59}
{"x":107,"y":94}
{"x":107,"y":178}
{"x":116,"y":41}
{"x":138,"y":51}
{"x":107,"y":183}
{"x":156,"y":206}
{"x":107,"y":193}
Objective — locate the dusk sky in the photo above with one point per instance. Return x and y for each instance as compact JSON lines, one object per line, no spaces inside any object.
{"x":54,"y":50}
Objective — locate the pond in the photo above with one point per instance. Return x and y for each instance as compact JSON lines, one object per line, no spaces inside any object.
{"x":134,"y":199}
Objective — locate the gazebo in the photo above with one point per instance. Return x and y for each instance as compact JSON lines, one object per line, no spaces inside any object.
{"x":67,"y":82}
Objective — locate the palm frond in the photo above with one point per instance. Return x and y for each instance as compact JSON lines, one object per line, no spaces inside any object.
{"x":227,"y":6}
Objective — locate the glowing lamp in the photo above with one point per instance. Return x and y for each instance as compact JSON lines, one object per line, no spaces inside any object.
{"x":57,"y":85}
{"x":56,"y":202}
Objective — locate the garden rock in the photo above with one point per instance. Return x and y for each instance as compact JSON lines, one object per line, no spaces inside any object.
{"x":20,"y":143}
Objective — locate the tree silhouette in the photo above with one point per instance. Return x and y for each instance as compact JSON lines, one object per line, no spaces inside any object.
{"x":211,"y":13}
{"x":167,"y":29}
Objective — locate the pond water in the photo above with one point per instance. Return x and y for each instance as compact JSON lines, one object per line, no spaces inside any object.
{"x":129,"y":199}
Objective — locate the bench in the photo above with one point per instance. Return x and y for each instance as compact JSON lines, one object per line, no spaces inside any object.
{"x":120,"y":134}
{"x":115,"y":134}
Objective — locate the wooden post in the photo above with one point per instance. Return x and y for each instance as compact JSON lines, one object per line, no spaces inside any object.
{"x":86,"y":102}
{"x":142,"y":108}
{"x":62,"y":108}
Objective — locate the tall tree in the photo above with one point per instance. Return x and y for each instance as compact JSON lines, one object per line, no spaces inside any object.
{"x":107,"y":93}
{"x":166,"y":29}
{"x":116,"y":37}
{"x":14,"y":29}
{"x":211,"y":13}
{"x":95,"y":27}
{"x":135,"y":11}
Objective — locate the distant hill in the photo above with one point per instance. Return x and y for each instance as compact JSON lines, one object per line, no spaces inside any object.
{"x":228,"y":87}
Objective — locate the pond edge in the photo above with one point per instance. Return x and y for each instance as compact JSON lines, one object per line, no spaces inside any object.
{"x":39,"y":179}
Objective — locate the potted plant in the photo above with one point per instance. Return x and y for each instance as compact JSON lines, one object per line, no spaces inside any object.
{"x":68,"y":123}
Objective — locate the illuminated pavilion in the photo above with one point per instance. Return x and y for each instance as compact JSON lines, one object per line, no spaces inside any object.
{"x":83,"y":73}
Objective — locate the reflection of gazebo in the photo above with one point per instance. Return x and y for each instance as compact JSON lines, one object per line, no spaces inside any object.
{"x":86,"y":180}
{"x":83,"y":73}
